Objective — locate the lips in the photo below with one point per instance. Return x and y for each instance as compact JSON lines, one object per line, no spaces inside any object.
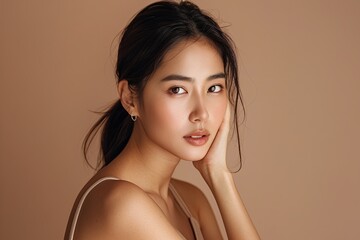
{"x":197,"y":138}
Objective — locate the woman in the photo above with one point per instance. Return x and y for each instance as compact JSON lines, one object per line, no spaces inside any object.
{"x":176,"y":73}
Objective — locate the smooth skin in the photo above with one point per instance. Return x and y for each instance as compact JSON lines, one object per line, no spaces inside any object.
{"x":187,"y":93}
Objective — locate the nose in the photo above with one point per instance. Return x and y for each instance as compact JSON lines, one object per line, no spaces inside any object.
{"x":199,"y":113}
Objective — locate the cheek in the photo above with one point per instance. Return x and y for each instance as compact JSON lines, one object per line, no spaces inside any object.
{"x":162,"y":113}
{"x":218,"y":109}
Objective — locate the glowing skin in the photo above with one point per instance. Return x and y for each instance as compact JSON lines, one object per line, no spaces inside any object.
{"x":184,"y":102}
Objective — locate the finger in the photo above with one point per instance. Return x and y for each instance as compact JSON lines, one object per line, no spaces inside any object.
{"x":225,"y":125}
{"x":227,"y":116}
{"x":222,"y":134}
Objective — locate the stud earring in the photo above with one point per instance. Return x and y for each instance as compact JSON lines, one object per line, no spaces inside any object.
{"x":133,"y":118}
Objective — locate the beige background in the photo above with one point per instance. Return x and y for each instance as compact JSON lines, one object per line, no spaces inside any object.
{"x":300,"y":64}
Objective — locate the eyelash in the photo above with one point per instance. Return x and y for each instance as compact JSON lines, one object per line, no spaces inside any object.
{"x":174,"y":92}
{"x":219,"y":90}
{"x":171,"y":90}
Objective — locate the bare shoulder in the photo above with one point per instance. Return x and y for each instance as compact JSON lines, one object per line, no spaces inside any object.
{"x":118,"y":209}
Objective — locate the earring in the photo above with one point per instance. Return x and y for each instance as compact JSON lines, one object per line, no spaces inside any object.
{"x":133,"y":118}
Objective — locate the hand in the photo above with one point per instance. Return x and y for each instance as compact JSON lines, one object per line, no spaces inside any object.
{"x":215,"y":159}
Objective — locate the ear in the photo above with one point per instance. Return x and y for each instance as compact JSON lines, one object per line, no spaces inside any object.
{"x":127,"y":98}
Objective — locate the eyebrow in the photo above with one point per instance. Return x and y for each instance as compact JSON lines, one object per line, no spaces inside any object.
{"x":189,"y":79}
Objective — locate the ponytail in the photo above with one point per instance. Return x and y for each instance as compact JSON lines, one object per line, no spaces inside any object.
{"x":116,"y":127}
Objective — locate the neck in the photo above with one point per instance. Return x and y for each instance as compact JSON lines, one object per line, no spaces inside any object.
{"x":146,"y":165}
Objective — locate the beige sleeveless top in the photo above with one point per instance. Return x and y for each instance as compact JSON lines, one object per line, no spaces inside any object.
{"x":194,"y":223}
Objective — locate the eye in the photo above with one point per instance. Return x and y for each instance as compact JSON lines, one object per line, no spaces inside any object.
{"x":215,"y":88}
{"x":177,"y":90}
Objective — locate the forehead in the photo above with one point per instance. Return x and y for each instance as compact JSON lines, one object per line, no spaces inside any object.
{"x":191,"y":57}
{"x":190,"y":45}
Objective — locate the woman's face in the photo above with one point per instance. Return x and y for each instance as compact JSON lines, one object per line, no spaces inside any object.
{"x":184,"y":101}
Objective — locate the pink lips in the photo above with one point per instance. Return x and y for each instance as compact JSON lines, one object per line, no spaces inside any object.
{"x":197,"y":138}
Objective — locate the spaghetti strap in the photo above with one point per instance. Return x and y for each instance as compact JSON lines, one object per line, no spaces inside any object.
{"x":76,"y":215}
{"x":194,"y":223}
{"x":180,"y":201}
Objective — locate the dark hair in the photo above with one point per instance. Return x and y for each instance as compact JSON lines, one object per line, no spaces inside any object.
{"x":144,"y":43}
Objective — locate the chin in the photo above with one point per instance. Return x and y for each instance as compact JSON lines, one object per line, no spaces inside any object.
{"x":194,"y":156}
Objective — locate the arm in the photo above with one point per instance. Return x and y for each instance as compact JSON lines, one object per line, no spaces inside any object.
{"x":214,"y":170}
{"x":237,"y":222}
